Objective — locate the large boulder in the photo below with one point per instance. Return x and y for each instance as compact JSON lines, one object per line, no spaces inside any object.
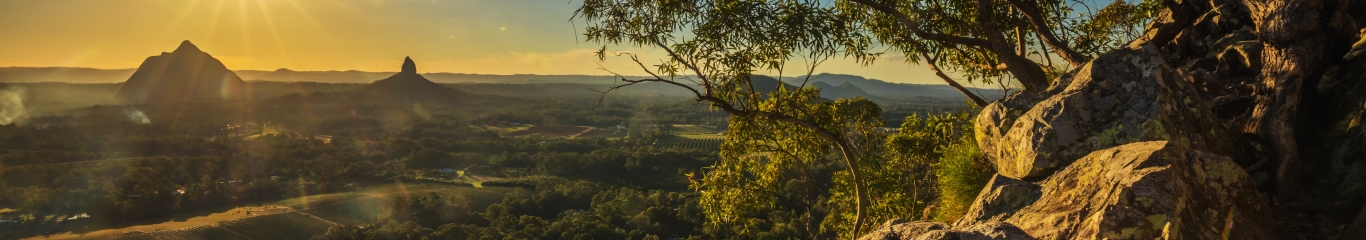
{"x":1144,"y":190}
{"x":1148,"y":190}
{"x":1123,"y":96}
{"x":904,"y":229}
{"x":1000,"y":199}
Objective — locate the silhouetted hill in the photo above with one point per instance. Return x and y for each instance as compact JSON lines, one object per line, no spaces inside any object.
{"x":287,"y":75}
{"x":63,"y":74}
{"x":186,"y":74}
{"x":408,"y":86}
{"x":846,"y":90}
{"x":766,"y":84}
{"x":890,"y":90}
{"x":353,"y":76}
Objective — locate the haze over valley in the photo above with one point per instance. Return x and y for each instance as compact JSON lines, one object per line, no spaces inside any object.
{"x":682,"y":119}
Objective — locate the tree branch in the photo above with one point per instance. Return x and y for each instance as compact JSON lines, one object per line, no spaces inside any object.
{"x":913,"y":26}
{"x":1029,"y":73}
{"x":975,"y":99}
{"x":1036,"y":20}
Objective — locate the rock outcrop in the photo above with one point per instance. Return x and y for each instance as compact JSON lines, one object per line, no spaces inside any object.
{"x":1144,"y":190}
{"x":1148,"y":190}
{"x":903,"y":229}
{"x":408,"y":66}
{"x":184,"y":75}
{"x":1001,"y":199}
{"x":1123,"y":96}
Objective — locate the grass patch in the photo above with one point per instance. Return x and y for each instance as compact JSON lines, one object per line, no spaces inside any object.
{"x":961,"y":173}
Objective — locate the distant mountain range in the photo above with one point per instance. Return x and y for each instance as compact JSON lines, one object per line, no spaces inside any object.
{"x":63,"y":74}
{"x":860,"y":86}
{"x":833,"y":85}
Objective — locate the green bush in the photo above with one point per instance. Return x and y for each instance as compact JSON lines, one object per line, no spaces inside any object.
{"x":961,"y":173}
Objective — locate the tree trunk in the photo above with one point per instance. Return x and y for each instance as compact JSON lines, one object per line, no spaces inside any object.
{"x":1031,"y":11}
{"x":1029,"y":73}
{"x":1293,"y":46}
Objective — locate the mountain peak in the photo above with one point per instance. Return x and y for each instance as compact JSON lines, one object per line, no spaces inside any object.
{"x":409,"y":66}
{"x":184,"y":75}
{"x":187,"y":46}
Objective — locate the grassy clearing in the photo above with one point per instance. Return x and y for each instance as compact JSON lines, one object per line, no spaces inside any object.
{"x":698,"y":141}
{"x":361,"y":206}
{"x":161,"y":224}
{"x":370,"y":203}
{"x":681,"y":129}
{"x":286,"y":225}
{"x":549,"y":131}
{"x":505,"y":130}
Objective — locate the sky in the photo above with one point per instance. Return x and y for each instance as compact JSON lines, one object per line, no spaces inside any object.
{"x":458,"y":36}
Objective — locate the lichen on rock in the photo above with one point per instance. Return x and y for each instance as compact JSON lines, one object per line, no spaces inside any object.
{"x":1123,"y":96}
{"x":1147,"y":190}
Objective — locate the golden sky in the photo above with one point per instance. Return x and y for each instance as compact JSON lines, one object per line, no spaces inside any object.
{"x":460,"y":36}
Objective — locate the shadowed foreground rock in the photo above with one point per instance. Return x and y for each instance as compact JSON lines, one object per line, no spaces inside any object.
{"x":1145,"y":190}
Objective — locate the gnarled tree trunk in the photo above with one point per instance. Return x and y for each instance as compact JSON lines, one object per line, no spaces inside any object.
{"x":1295,"y":39}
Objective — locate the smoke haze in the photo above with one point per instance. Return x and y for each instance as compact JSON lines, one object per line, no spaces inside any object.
{"x":11,"y":104}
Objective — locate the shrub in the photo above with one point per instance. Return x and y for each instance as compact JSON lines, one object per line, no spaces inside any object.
{"x":961,"y":173}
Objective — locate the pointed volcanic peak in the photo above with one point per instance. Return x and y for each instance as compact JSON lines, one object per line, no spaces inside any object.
{"x":184,"y":75}
{"x":409,"y":86}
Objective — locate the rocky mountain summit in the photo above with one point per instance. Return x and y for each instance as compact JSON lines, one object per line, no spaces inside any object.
{"x":184,"y":75}
{"x":1154,"y":141}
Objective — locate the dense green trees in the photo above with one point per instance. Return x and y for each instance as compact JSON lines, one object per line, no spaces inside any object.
{"x":714,"y":47}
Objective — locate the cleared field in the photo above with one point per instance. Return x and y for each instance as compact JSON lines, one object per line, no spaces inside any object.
{"x":705,"y":142}
{"x":681,"y":129}
{"x":603,"y":133}
{"x":550,"y":131}
{"x":207,"y":218}
{"x":361,"y":206}
{"x":370,"y":203}
{"x":286,"y":225}
{"x":505,"y":130}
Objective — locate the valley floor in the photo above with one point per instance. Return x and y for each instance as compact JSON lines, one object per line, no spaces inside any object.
{"x":309,"y":212}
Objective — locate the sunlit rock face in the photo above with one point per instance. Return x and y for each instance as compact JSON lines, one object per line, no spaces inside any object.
{"x":1143,"y":190}
{"x":184,"y":75}
{"x":1123,"y":96}
{"x":1148,"y":190}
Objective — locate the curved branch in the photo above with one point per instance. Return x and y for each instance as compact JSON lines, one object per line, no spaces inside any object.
{"x":975,"y":99}
{"x":1036,"y":20}
{"x":913,"y":26}
{"x":1029,"y":73}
